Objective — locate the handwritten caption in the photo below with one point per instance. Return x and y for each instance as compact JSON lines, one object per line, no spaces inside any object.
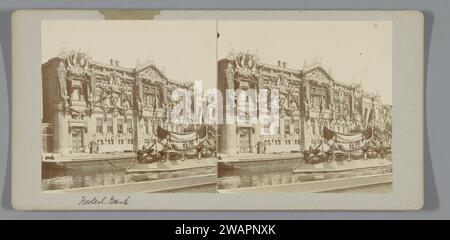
{"x":105,"y":200}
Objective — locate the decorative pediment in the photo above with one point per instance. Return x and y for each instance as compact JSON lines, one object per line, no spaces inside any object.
{"x":319,"y":75}
{"x":152,"y":73}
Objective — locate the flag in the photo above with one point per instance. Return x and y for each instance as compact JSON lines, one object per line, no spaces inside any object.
{"x":327,"y":133}
{"x":367,"y":133}
{"x":162,"y":133}
{"x":201,"y":132}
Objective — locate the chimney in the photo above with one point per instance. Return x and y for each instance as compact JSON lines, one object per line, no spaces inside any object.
{"x":284,"y":64}
{"x":279,"y":63}
{"x":117,"y":63}
{"x":111,"y":62}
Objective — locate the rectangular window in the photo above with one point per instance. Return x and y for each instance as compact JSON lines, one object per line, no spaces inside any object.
{"x":296,"y":98}
{"x":129,"y":125}
{"x":266,"y":129}
{"x":287,"y":127}
{"x":120,"y":126}
{"x":152,"y":99}
{"x":247,"y":116}
{"x":129,"y":97}
{"x":109,"y":125}
{"x":297,"y":126}
{"x":317,"y":101}
{"x":99,"y":125}
{"x":159,"y":100}
{"x":98,"y":93}
{"x":277,"y":127}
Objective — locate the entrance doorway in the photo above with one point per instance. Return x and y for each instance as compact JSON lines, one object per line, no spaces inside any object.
{"x":245,"y":140}
{"x":77,"y":140}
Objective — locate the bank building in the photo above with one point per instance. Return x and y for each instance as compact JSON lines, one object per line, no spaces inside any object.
{"x":98,"y":107}
{"x":309,"y":100}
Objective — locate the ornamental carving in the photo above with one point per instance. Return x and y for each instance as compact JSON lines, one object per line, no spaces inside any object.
{"x":113,"y":97}
{"x":245,"y":64}
{"x":77,"y":63}
{"x":76,"y":84}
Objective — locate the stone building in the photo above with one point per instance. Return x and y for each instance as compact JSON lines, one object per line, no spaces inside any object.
{"x":309,"y":99}
{"x":94,"y":107}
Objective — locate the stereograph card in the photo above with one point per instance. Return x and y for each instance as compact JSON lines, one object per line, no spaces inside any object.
{"x":217,"y":110}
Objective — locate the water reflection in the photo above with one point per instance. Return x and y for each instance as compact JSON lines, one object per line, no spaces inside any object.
{"x":254,"y":175}
{"x":66,"y":179}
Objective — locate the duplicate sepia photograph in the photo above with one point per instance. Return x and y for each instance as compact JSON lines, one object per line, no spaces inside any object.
{"x":216,"y":106}
{"x":326,"y":91}
{"x":218,"y":110}
{"x":107,"y":103}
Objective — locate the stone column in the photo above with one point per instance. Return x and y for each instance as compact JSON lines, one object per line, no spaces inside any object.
{"x":61,"y":135}
{"x":85,"y":139}
{"x":138,"y":130}
{"x":227,"y":143}
{"x":138,"y":134}
{"x":227,"y":140}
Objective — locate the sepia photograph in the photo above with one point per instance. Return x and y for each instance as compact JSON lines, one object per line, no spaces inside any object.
{"x":306,"y":109}
{"x":311,"y":109}
{"x":108,"y":100}
{"x":217,"y":110}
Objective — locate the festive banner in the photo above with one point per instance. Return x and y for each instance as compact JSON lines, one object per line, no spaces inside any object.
{"x":181,"y":137}
{"x":339,"y":137}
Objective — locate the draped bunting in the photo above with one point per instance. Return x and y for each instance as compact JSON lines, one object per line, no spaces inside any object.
{"x":165,"y":96}
{"x":339,"y":137}
{"x":349,"y":138}
{"x":198,"y":146}
{"x":181,"y":137}
{"x":331,"y":96}
{"x":307,"y":91}
{"x":176,"y":137}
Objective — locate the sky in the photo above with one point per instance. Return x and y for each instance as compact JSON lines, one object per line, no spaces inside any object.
{"x":355,"y":51}
{"x":185,"y":50}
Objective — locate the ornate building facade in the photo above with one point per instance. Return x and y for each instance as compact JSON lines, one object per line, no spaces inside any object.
{"x":94,"y":107}
{"x":309,"y":99}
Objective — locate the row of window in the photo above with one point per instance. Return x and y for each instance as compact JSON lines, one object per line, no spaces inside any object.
{"x":278,"y":142}
{"x":110,"y":128}
{"x":318,"y":129}
{"x":287,"y":127}
{"x":352,"y":146}
{"x":112,"y":142}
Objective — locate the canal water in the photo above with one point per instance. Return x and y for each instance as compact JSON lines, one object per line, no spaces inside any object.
{"x":67,"y":179}
{"x":252,"y":174}
{"x":280,"y":172}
